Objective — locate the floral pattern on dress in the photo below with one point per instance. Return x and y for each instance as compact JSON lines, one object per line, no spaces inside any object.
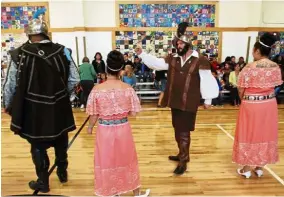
{"x":112,"y":102}
{"x":260,"y":77}
{"x":255,"y":154}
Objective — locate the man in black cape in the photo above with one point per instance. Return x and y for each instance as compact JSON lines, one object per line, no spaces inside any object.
{"x":36,"y":93}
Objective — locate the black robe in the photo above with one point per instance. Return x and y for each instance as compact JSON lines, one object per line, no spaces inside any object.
{"x":41,"y":109}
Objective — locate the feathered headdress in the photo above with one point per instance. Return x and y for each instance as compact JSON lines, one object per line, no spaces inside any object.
{"x":39,"y":13}
{"x":182,"y":28}
{"x":37,"y":25}
{"x":181,"y":34}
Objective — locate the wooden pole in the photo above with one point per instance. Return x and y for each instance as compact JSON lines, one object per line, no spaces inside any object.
{"x":220,"y":46}
{"x":77,"y":50}
{"x":85,"y":48}
{"x":248,"y":46}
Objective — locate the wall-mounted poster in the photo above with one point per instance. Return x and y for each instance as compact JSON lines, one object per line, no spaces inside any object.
{"x":278,"y":48}
{"x":159,"y":43}
{"x":17,"y":17}
{"x":166,"y":15}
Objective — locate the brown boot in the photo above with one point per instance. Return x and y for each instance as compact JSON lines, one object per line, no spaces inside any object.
{"x":176,"y":158}
{"x":184,"y":143}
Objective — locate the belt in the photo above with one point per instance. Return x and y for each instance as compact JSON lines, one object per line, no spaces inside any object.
{"x":258,"y":97}
{"x":113,"y":122}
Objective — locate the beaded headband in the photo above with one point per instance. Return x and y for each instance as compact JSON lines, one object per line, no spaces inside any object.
{"x":263,"y":44}
{"x":115,"y":70}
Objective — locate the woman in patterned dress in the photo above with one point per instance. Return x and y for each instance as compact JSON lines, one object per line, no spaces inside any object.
{"x":256,"y":136}
{"x":110,"y":103}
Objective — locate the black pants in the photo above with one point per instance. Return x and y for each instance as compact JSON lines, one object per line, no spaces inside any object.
{"x":235,"y":99}
{"x":41,"y":159}
{"x":217,"y":101}
{"x":183,"y":121}
{"x":87,"y":86}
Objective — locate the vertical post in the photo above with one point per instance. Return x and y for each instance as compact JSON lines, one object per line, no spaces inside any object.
{"x":217,"y":14}
{"x":113,"y":37}
{"x":77,"y":49}
{"x":248,"y":46}
{"x":117,"y":16}
{"x":220,"y":46}
{"x":85,"y":48}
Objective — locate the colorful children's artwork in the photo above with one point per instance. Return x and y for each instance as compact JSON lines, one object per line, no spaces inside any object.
{"x":17,"y":17}
{"x":160,"y":43}
{"x":166,"y":15}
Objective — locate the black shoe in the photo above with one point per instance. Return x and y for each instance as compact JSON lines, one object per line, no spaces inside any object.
{"x":40,"y":186}
{"x":180,"y":169}
{"x":174,"y":158}
{"x":63,"y":176}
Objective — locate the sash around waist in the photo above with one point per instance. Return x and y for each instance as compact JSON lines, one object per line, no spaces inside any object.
{"x":258,"y":97}
{"x":113,"y":122}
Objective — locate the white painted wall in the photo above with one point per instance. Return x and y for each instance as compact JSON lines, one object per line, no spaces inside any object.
{"x":235,"y":43}
{"x":272,"y":14}
{"x":68,"y":39}
{"x":254,"y":13}
{"x":251,"y":13}
{"x":233,"y":14}
{"x":99,"y":13}
{"x":66,"y":14}
{"x":98,"y":42}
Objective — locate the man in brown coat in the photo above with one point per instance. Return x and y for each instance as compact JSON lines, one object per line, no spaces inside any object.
{"x":189,"y":78}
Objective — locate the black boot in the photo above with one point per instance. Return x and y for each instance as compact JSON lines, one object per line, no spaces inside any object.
{"x":41,"y":161}
{"x":61,"y":158}
{"x":181,"y":168}
{"x":62,"y":176}
{"x":39,"y":185}
{"x":62,"y":170}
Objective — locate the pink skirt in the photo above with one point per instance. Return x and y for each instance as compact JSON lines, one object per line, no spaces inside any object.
{"x":256,"y":136}
{"x":116,"y":164}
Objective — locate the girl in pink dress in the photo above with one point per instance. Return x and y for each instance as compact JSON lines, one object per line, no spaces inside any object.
{"x":256,"y":136}
{"x":109,"y":103}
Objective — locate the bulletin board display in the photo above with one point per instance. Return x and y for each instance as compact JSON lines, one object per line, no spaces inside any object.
{"x":17,"y":15}
{"x":11,"y":41}
{"x":14,"y":18}
{"x":278,"y":48}
{"x":167,"y":15}
{"x":159,"y":43}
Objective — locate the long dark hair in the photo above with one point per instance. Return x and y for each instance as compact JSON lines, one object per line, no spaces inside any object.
{"x":98,"y":53}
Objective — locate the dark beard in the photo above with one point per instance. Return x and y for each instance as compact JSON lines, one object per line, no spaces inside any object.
{"x":184,"y":50}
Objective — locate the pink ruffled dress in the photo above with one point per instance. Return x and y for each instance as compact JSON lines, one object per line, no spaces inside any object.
{"x":256,"y":136}
{"x":116,"y":164}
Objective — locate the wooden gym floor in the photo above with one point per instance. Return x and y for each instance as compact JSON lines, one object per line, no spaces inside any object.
{"x":210,"y":171}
